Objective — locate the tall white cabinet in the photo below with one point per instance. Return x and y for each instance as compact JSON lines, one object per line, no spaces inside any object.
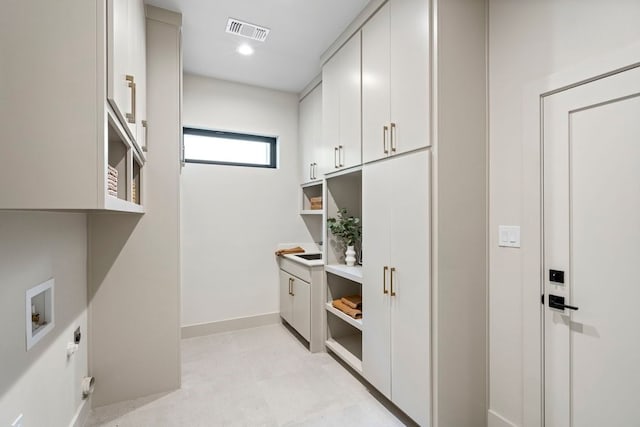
{"x":396,"y":278}
{"x":395,"y":84}
{"x":423,"y":198}
{"x":341,"y":107}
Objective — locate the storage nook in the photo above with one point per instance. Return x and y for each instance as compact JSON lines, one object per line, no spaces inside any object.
{"x":82,"y":152}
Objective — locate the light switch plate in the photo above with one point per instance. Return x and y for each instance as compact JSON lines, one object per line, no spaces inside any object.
{"x":509,"y":236}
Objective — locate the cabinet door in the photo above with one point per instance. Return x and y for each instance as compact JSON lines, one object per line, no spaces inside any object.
{"x":409,"y":53}
{"x":286,"y":300}
{"x":302,"y":308}
{"x":119,"y":69}
{"x":310,"y":135}
{"x":139,"y":64}
{"x":375,"y":87}
{"x":330,"y":112}
{"x":376,"y":328}
{"x":410,"y":307}
{"x":350,"y":129}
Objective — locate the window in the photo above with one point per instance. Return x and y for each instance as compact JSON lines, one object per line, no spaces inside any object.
{"x":228,"y":148}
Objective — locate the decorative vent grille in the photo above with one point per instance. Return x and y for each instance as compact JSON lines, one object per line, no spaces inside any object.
{"x":244,"y":29}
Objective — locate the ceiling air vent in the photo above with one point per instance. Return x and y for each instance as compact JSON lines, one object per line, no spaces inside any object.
{"x":244,"y":29}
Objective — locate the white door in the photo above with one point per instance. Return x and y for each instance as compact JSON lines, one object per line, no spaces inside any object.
{"x":301,"y":309}
{"x":286,"y":299}
{"x":592,"y":253}
{"x":376,"y":234}
{"x":350,"y":129}
{"x":410,"y":284}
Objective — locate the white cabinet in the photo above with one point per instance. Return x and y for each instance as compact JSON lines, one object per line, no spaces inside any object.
{"x":295,"y":303}
{"x":61,"y":133}
{"x":312,"y":158}
{"x":395,"y":80}
{"x":396,"y":281}
{"x":341,"y":107}
{"x":126,"y":65}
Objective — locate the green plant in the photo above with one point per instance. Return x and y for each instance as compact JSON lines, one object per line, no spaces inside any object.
{"x":347,"y":229}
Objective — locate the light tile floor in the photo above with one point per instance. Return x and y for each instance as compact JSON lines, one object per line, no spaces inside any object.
{"x":254,"y":377}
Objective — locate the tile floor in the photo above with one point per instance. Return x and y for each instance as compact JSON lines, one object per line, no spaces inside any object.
{"x":254,"y":377}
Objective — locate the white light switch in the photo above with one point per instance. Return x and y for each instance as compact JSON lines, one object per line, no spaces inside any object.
{"x":509,"y":236}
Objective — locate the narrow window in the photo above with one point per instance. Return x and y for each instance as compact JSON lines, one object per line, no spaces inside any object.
{"x":228,"y":148}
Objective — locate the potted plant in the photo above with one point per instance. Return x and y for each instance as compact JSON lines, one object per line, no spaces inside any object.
{"x":348,"y":230}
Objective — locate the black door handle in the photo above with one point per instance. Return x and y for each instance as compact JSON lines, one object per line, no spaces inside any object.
{"x":557,"y":302}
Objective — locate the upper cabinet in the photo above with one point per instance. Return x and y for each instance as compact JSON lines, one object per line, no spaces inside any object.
{"x":126,"y":66}
{"x":341,"y":106}
{"x":65,"y":146}
{"x":312,"y":158}
{"x":395,"y":80}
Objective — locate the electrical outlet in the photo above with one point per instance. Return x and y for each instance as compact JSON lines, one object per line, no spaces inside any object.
{"x":17,"y":422}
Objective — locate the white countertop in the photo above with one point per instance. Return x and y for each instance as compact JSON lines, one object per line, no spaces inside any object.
{"x":308,"y":263}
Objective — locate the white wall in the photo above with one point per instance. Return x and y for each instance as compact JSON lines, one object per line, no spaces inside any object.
{"x":529,"y":40}
{"x":233,"y":217}
{"x":41,"y":383}
{"x":134,"y":271}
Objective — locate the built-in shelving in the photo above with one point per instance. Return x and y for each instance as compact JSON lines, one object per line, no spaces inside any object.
{"x":349,"y":349}
{"x":350,"y":273}
{"x":311,"y":212}
{"x":356,"y":323}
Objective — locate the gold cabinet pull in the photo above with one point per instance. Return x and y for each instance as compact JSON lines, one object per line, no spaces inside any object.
{"x":291,"y":285}
{"x":335,"y":157}
{"x":144,"y":125}
{"x":310,"y":170}
{"x":384,"y":280}
{"x":393,"y":139}
{"x":391,"y":274}
{"x":315,"y":171}
{"x":385,"y":132}
{"x":131,"y":117}
{"x":341,"y":156}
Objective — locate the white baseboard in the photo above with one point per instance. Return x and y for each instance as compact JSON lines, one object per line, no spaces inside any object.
{"x":202,"y":329}
{"x":497,"y":420}
{"x":82,"y":414}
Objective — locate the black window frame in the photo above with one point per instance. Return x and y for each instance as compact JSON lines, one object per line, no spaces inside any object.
{"x":271,"y":140}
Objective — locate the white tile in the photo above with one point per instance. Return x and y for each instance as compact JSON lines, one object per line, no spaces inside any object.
{"x":254,"y":377}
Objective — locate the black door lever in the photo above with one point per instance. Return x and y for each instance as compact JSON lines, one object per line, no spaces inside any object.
{"x":557,"y":302}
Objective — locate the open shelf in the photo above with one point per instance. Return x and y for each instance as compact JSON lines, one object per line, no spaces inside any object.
{"x":356,"y":323}
{"x":311,"y":212}
{"x":311,"y":191}
{"x":344,"y":191}
{"x":118,"y":156}
{"x":350,"y":273}
{"x":349,"y":349}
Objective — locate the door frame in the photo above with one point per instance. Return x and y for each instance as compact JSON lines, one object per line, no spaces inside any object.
{"x":532,"y":207}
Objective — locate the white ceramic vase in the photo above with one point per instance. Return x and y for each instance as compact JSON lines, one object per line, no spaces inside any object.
{"x":350,"y":256}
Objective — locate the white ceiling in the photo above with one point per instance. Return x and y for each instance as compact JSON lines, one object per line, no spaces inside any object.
{"x":301,"y":30}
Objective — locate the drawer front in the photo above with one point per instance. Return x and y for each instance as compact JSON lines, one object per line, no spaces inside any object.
{"x":295,"y":269}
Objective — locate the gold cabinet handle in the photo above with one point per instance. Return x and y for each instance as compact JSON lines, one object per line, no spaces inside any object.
{"x":385,"y":132}
{"x":131,"y":117}
{"x":144,"y":125}
{"x":341,"y":155}
{"x":290,"y":285}
{"x":391,"y":274}
{"x":384,"y":280}
{"x":392,"y":133}
{"x":335,"y":157}
{"x":310,"y":170}
{"x":292,"y":294}
{"x":315,"y":171}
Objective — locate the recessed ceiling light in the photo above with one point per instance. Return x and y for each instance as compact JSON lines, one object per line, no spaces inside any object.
{"x":245,"y":49}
